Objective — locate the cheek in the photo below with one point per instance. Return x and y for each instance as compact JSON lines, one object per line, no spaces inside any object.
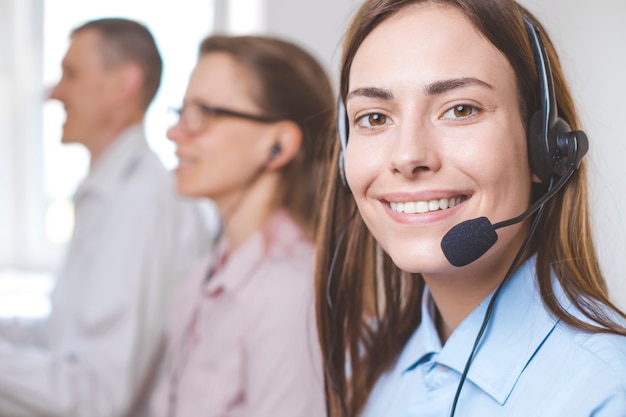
{"x":213,"y":161}
{"x":222,"y":161}
{"x":91,"y":103}
{"x":500,"y":168}
{"x":363,"y":164}
{"x":202,"y":175}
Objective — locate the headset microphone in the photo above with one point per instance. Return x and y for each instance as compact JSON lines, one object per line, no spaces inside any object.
{"x":471,"y":239}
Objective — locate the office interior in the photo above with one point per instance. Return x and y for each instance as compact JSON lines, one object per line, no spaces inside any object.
{"x":38,"y":175}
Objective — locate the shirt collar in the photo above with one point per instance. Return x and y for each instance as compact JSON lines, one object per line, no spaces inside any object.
{"x":115,"y":164}
{"x":425,"y":340}
{"x":518,"y":326}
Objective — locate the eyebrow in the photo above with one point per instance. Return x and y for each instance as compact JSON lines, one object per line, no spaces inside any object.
{"x":434,"y":88}
{"x":371,"y":92}
{"x":443,"y":86}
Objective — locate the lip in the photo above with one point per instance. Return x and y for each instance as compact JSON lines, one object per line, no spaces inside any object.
{"x":185,"y":163}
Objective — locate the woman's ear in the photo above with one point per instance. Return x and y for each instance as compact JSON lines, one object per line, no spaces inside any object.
{"x":534,"y":178}
{"x":286,"y":145}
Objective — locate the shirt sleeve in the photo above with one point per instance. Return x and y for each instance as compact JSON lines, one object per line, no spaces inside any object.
{"x":42,"y":382}
{"x":117,"y":301}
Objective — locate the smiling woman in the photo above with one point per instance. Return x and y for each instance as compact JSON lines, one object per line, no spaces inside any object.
{"x":441,"y":139}
{"x":455,"y":113}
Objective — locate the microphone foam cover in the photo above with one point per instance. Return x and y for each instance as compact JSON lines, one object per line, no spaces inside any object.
{"x":468,"y":241}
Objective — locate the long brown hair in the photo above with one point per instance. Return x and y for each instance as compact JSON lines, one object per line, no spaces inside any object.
{"x":350,"y":295}
{"x":290,"y":85}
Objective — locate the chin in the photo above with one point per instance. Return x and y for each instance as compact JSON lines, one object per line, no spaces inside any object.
{"x":68,"y":133}
{"x":420,"y":259}
{"x":67,"y":138}
{"x":187,"y":190}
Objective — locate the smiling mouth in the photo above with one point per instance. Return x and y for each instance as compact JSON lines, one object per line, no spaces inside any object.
{"x":420,"y":207}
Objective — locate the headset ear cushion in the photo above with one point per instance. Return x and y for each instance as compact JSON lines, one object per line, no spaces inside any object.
{"x":579,"y":145}
{"x":538,"y":149}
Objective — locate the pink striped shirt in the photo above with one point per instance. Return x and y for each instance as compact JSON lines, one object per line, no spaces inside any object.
{"x":243,"y":342}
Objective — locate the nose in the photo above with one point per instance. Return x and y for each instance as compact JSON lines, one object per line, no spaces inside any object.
{"x":415,"y":150}
{"x":176,"y":133}
{"x":53,"y":92}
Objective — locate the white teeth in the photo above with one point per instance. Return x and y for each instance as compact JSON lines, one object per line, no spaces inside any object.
{"x":421,"y":207}
{"x":412,"y":207}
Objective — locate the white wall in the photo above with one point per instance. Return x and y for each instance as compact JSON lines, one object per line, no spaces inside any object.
{"x":590,"y":37}
{"x":316,"y":24}
{"x":7,"y":165}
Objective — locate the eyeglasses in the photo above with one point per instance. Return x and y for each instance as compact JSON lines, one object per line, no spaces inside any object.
{"x":195,"y":117}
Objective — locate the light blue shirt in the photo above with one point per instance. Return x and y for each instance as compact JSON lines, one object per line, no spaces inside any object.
{"x":529,"y":364}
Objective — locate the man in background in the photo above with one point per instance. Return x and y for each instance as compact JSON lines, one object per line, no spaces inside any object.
{"x":133,"y":238}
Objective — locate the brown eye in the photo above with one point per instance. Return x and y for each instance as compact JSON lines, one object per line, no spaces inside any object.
{"x":372,"y":120}
{"x":376,"y":119}
{"x":462,"y":111}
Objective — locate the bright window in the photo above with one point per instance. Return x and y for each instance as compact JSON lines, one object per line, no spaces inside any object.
{"x":38,"y":175}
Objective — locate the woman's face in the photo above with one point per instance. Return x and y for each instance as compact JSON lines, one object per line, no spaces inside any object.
{"x":436,"y":137}
{"x":219,"y":155}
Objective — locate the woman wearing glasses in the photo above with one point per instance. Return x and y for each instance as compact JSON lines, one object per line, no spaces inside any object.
{"x":242,"y":339}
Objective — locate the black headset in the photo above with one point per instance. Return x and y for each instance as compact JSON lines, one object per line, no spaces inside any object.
{"x":552,"y":145}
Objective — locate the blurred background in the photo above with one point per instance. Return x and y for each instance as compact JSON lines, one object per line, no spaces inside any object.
{"x":38,"y":175}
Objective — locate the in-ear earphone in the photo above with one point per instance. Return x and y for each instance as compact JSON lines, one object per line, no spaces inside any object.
{"x":275,"y":150}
